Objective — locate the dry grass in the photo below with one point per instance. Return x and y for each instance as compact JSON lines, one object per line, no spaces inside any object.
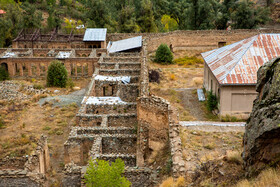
{"x":234,"y":157}
{"x":174,"y":98}
{"x":189,"y":62}
{"x":170,"y":182}
{"x":267,"y":178}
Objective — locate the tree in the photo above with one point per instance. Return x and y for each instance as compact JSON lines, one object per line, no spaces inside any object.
{"x":146,"y":18}
{"x":200,"y":14}
{"x":100,"y":173}
{"x":4,"y":75}
{"x":127,"y":20}
{"x":32,"y":18}
{"x":246,"y":16}
{"x":169,"y":23}
{"x":57,"y":74}
{"x":10,"y":24}
{"x":164,"y":55}
{"x":98,"y":15}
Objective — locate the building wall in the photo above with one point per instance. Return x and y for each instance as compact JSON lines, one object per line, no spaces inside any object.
{"x":237,"y":100}
{"x":210,"y":82}
{"x":233,"y":100}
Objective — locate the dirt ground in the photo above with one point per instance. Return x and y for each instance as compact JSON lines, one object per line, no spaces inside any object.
{"x":25,"y":121}
{"x":212,"y":155}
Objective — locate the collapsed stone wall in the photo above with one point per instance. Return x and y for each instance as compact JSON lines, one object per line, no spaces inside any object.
{"x":158,"y":124}
{"x":261,"y":138}
{"x":32,"y":173}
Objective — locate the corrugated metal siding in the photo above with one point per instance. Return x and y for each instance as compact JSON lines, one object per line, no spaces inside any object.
{"x":95,"y":34}
{"x":126,"y":44}
{"x":238,"y":63}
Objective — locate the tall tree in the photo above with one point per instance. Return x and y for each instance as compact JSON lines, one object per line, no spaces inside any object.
{"x":32,"y":18}
{"x":247,"y":16}
{"x":146,"y":19}
{"x":127,"y":21}
{"x":98,"y":15}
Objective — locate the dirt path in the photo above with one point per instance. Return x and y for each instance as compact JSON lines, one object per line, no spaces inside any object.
{"x":190,"y":101}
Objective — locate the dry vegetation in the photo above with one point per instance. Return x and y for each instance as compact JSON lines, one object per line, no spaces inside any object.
{"x":213,"y":156}
{"x":22,"y":123}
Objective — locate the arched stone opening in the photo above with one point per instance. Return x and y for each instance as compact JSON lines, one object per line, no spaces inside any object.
{"x":4,"y":65}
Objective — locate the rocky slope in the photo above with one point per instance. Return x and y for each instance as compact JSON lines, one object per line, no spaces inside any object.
{"x":261,"y":139}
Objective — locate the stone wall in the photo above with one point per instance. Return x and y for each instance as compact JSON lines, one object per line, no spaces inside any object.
{"x":32,"y":173}
{"x":195,"y":42}
{"x":158,"y":124}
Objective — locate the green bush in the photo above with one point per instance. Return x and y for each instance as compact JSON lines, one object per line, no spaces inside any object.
{"x":4,"y":75}
{"x":212,"y":101}
{"x":70,"y":83}
{"x":100,"y":173}
{"x":57,"y":75}
{"x":163,"y":55}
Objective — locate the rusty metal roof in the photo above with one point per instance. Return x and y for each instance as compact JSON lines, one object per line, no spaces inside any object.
{"x":239,"y":62}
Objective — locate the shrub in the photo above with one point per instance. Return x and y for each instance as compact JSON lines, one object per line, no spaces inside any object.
{"x":4,"y":75}
{"x":212,"y":101}
{"x":70,"y":83}
{"x":57,"y":75}
{"x":154,"y":76}
{"x":101,"y":173}
{"x":38,"y":86}
{"x":163,"y":55}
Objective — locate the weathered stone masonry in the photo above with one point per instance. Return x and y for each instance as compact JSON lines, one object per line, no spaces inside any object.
{"x":30,"y":171}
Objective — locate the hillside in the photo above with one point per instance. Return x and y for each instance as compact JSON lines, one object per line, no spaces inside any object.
{"x":127,"y":16}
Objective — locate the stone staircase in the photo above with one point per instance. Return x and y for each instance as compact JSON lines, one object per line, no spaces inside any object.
{"x":107,"y":120}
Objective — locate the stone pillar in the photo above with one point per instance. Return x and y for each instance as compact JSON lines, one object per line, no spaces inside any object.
{"x":20,"y":69}
{"x":90,"y":69}
{"x":76,"y":69}
{"x":29,"y":69}
{"x":38,"y":69}
{"x":11,"y":69}
{"x":68,"y":68}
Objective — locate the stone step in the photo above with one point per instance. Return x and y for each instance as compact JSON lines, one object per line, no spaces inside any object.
{"x":120,"y":72}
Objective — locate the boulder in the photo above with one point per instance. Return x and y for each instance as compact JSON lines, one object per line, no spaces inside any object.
{"x":262,"y":133}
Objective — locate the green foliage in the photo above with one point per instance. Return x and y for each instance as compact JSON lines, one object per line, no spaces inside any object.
{"x":212,"y":101}
{"x":100,"y":173}
{"x":127,"y":20}
{"x":245,"y":16}
{"x":4,"y":75}
{"x":57,"y":74}
{"x":146,"y":19}
{"x":169,"y":23}
{"x":32,"y":18}
{"x":70,"y":83}
{"x":38,"y":86}
{"x":163,"y":55}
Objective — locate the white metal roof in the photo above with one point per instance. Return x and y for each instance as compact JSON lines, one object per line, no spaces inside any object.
{"x":9,"y":55}
{"x":95,"y":34}
{"x":126,"y":44}
{"x":63,"y":54}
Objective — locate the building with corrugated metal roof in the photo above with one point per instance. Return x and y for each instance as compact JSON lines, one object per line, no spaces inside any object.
{"x":95,"y":37}
{"x":231,"y":71}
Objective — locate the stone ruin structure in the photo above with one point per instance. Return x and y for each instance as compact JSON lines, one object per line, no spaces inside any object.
{"x":118,"y":119}
{"x":261,"y":138}
{"x":27,"y":171}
